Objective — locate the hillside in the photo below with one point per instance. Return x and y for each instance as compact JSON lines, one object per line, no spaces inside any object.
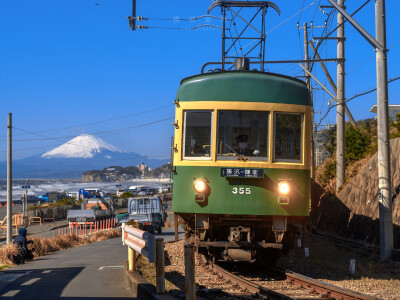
{"x":128,"y":173}
{"x":354,"y":211}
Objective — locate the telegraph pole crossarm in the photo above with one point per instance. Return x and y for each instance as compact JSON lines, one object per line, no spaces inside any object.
{"x":357,"y":26}
{"x":333,"y":85}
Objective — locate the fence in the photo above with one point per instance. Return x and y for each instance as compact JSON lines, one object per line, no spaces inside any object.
{"x":86,"y":229}
{"x":149,"y":246}
{"x":17,"y":222}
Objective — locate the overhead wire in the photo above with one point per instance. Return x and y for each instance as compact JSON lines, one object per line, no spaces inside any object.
{"x":101,"y":121}
{"x":106,"y":132}
{"x":356,"y":96}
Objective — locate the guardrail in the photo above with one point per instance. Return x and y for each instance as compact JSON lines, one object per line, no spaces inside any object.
{"x":140,"y":241}
{"x":149,"y":246}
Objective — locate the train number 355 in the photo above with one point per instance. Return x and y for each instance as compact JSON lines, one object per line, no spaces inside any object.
{"x":241,"y":191}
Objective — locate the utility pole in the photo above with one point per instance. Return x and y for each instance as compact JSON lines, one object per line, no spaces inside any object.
{"x":26,"y":197}
{"x":308,"y":82}
{"x":384,"y":175}
{"x":340,"y":120}
{"x":9,"y":179}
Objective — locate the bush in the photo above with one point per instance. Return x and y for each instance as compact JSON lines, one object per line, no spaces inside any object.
{"x":356,"y":143}
{"x":126,"y":195}
{"x":329,"y":172}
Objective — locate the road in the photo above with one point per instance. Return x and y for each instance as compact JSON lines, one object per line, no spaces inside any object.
{"x":89,"y":271}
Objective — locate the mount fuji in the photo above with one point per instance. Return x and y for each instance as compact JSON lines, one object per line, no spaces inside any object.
{"x":83,"y":153}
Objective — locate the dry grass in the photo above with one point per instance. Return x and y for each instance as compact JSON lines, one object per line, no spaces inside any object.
{"x":45,"y":246}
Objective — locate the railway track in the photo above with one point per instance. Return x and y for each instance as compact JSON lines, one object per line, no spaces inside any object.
{"x":364,"y":249}
{"x":278,"y":284}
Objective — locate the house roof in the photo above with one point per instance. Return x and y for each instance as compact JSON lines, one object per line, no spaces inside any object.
{"x":391,"y":107}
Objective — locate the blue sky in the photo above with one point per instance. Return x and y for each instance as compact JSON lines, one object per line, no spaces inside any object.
{"x":64,"y":64}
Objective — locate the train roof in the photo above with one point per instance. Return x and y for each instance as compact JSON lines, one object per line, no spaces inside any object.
{"x":244,"y":86}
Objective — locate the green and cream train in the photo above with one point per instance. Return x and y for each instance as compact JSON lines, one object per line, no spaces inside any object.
{"x":241,"y":164}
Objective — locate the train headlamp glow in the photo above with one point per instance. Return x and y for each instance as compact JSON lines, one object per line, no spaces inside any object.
{"x":200,"y":186}
{"x":283,"y":188}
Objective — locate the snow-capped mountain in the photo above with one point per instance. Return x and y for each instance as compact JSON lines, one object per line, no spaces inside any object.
{"x":71,"y":159}
{"x":83,"y":146}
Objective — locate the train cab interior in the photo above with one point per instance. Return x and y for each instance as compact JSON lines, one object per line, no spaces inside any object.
{"x":243,"y":134}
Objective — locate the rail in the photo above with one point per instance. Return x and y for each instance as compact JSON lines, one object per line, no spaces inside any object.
{"x":301,"y":281}
{"x":320,"y":287}
{"x":245,"y":284}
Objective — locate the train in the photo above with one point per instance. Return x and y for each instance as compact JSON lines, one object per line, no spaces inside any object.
{"x":242,"y":162}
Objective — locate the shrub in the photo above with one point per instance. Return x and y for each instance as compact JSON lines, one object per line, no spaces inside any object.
{"x":356,"y":143}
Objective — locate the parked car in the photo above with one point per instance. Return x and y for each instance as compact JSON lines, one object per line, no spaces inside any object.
{"x":50,"y":197}
{"x":32,"y":199}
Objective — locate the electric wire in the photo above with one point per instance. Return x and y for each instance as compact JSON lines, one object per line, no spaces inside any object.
{"x":368,"y":60}
{"x":356,"y":96}
{"x":105,"y":133}
{"x":300,"y":11}
{"x":101,"y":121}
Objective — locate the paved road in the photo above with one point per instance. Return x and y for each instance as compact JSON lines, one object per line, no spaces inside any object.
{"x":89,"y":271}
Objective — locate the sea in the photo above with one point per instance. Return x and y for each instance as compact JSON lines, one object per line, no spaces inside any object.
{"x":41,"y":186}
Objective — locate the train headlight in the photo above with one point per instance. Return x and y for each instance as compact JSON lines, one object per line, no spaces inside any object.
{"x":200,"y":186}
{"x":283,"y":188}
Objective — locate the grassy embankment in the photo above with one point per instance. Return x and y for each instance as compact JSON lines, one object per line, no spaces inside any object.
{"x":44,"y":246}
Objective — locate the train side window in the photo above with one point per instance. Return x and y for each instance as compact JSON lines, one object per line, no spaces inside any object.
{"x":242,"y":134}
{"x":288,"y":137}
{"x":197,"y":135}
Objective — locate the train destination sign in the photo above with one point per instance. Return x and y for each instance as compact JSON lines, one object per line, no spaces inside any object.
{"x":242,"y":172}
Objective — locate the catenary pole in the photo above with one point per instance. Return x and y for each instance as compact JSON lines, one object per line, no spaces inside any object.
{"x":340,"y":120}
{"x":308,"y":82}
{"x":384,"y":175}
{"x":9,"y":179}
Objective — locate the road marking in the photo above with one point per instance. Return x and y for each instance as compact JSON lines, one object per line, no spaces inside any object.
{"x":29,"y":282}
{"x":47,"y":271}
{"x":111,"y":267}
{"x":11,"y":293}
{"x":7,"y":276}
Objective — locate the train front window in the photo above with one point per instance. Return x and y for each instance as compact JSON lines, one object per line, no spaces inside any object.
{"x":197,"y":135}
{"x":242,"y":134}
{"x":288,"y":137}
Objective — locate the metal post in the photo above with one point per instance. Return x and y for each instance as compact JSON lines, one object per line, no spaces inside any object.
{"x":160,"y":263}
{"x":131,"y":259}
{"x":384,"y":175}
{"x":307,"y":65}
{"x":223,"y":37}
{"x":9,"y":180}
{"x":26,"y":197}
{"x":190,"y":282}
{"x":308,"y":82}
{"x":176,"y":226}
{"x":340,"y":120}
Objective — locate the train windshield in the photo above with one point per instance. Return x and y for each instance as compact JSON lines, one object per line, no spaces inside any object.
{"x":197,"y":135}
{"x":243,"y":133}
{"x":288,"y":137}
